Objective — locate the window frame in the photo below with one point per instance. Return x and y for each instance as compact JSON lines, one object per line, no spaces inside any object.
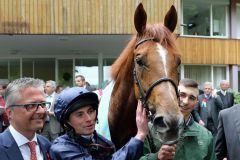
{"x":211,"y":21}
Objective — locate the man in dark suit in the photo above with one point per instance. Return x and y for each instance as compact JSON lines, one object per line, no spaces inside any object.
{"x":52,"y":127}
{"x":26,"y":109}
{"x":228,"y":136}
{"x":207,"y":109}
{"x":81,"y":82}
{"x":226,"y":96}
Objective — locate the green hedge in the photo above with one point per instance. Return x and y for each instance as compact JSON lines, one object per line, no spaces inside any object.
{"x":236,"y":97}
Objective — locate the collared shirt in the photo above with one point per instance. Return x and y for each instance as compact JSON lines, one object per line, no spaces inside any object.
{"x":195,"y":143}
{"x":50,"y":98}
{"x":223,"y":92}
{"x":22,"y":141}
{"x":207,"y":96}
{"x":189,"y":120}
{"x":91,"y":138}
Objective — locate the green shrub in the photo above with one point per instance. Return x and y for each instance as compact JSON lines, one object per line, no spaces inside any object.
{"x":236,"y":97}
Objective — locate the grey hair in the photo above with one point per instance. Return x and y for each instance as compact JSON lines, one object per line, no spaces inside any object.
{"x":14,"y":89}
{"x":224,"y":81}
{"x":52,"y":83}
{"x":208,"y":84}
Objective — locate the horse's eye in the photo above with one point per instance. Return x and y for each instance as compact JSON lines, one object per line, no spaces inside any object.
{"x":139,"y":62}
{"x":178,"y":61}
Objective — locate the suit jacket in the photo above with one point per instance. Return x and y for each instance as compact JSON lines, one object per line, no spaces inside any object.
{"x":228,"y":136}
{"x":228,"y":99}
{"x":54,"y":125}
{"x":9,"y":149}
{"x":90,"y":88}
{"x":209,"y":113}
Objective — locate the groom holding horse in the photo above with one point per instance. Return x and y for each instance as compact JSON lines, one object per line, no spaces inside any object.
{"x":196,"y":141}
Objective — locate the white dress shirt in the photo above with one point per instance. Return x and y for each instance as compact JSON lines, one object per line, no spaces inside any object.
{"x":223,"y":92}
{"x":50,"y":98}
{"x":22,"y":141}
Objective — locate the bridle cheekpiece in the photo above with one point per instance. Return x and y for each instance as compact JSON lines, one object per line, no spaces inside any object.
{"x":145,"y":95}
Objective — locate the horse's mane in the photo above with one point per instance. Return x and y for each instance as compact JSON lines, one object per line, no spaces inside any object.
{"x":122,"y":68}
{"x":123,"y":101}
{"x":124,"y":61}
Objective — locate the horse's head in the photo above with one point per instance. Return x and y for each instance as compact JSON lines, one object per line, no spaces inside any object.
{"x":156,"y":73}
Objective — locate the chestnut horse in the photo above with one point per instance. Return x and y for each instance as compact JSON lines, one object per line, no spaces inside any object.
{"x":147,"y":69}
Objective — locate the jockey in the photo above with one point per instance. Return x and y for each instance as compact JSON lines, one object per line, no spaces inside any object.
{"x":76,"y":109}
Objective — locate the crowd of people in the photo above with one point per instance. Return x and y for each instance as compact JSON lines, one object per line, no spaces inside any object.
{"x":40,"y":120}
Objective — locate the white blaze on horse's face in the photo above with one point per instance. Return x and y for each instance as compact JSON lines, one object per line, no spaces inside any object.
{"x":163,"y":54}
{"x":152,"y":72}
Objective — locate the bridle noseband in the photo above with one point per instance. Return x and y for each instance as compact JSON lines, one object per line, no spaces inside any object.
{"x":145,"y":95}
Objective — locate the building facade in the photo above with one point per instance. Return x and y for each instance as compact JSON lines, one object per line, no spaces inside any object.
{"x":58,"y":39}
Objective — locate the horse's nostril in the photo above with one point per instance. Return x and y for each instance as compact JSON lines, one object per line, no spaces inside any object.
{"x":159,"y":123}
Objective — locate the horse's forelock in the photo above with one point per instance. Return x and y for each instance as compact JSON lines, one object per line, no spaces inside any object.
{"x":123,"y":99}
{"x":160,"y":32}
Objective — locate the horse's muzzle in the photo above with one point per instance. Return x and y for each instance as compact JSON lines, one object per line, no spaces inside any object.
{"x":168,"y":129}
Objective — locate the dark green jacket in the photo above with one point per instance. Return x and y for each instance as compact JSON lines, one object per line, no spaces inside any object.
{"x":196,"y":144}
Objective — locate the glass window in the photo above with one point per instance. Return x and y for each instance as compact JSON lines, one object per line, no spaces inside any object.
{"x":89,"y":69}
{"x":106,"y":71}
{"x":199,"y":73}
{"x":65,"y":70}
{"x":206,"y":73}
{"x":14,"y":69}
{"x":27,"y":68}
{"x":219,"y":20}
{"x":196,"y":18}
{"x":238,"y":19}
{"x":43,"y":65}
{"x":219,"y":73}
{"x":3,"y":69}
{"x":37,"y":68}
{"x":205,"y":17}
{"x":10,"y":69}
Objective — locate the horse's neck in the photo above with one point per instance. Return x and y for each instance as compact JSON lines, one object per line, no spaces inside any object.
{"x":102,"y":125}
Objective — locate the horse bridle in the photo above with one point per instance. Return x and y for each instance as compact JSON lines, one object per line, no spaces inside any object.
{"x":144,"y":96}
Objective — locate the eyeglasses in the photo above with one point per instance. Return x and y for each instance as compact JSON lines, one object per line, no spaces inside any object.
{"x":184,"y":95}
{"x":33,"y":107}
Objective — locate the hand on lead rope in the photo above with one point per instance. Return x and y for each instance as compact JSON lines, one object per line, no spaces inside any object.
{"x":167,"y":152}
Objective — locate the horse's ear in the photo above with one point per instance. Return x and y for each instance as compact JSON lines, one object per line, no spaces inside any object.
{"x":140,"y":19}
{"x":170,"y":20}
